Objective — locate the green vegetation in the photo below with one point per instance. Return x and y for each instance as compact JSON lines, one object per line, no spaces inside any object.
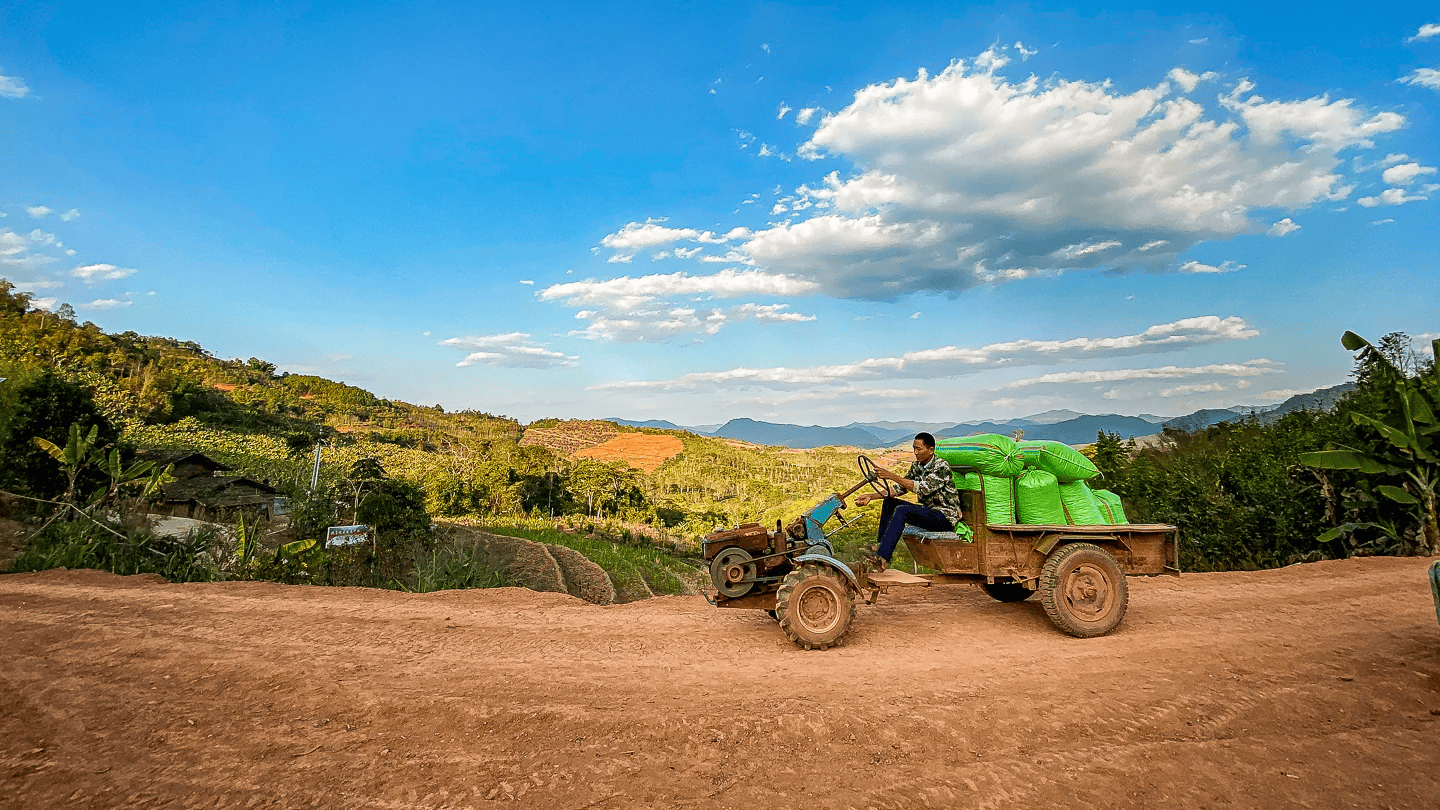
{"x":1312,"y":485}
{"x":1356,"y":480}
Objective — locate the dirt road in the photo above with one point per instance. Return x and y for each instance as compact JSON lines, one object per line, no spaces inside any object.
{"x":1312,"y":686}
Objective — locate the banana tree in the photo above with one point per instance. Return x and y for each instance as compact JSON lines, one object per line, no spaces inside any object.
{"x":74,"y":457}
{"x":1406,"y":426}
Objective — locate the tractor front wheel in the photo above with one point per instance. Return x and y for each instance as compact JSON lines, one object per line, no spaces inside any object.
{"x":1083,"y":590}
{"x":815,"y":607}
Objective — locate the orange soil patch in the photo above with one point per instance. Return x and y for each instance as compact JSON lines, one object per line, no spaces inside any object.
{"x":225,"y":386}
{"x":640,"y":450}
{"x":570,"y":437}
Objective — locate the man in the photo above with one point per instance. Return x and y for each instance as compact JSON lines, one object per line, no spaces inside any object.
{"x":939,"y":507}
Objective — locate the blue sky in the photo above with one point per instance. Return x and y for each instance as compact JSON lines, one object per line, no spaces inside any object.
{"x":790,"y":212}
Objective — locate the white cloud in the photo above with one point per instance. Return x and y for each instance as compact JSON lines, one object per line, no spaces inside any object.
{"x":784,"y":108}
{"x":106,"y":303}
{"x":1405,"y":173}
{"x":509,"y":350}
{"x":1249,"y":368}
{"x":1284,"y":393}
{"x":1282,"y":227}
{"x":966,"y":178}
{"x":620,"y":258}
{"x":1424,"y":77}
{"x":803,"y":117}
{"x":528,"y":281}
{"x":1391,"y":196}
{"x":69,"y":215}
{"x":40,"y":237}
{"x":1189,"y":80}
{"x":626,"y":293}
{"x":658,"y":325}
{"x":950,"y":361}
{"x":1025,"y":53}
{"x":12,"y":243}
{"x":1224,"y":267}
{"x":1426,"y":31}
{"x":38,"y":211}
{"x":1385,"y":221}
{"x":1197,"y":388}
{"x":685,"y":253}
{"x":47,"y":303}
{"x":13,"y":87}
{"x":1200,"y":41}
{"x":92,"y":273}
{"x":648,"y":234}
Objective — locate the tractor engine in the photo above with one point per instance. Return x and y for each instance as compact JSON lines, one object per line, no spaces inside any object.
{"x":747,"y":559}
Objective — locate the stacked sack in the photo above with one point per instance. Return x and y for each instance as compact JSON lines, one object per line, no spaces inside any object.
{"x":1038,"y":482}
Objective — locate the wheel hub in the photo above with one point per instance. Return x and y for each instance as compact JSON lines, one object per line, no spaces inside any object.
{"x":1087,"y":592}
{"x":819,"y":609}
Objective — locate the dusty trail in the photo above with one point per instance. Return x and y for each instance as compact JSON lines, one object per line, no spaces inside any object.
{"x":1312,"y":686}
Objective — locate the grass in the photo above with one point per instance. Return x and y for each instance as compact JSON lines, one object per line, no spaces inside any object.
{"x":120,"y":550}
{"x":660,"y":571}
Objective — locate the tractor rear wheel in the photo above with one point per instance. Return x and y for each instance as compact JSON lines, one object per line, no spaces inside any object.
{"x":1083,"y":590}
{"x":815,"y":607}
{"x":1006,"y":591}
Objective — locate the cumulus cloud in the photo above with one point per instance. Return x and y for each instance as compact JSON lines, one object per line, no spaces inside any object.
{"x":1282,"y":227}
{"x":1405,"y":173}
{"x":1424,"y":77}
{"x":38,"y":211}
{"x":1189,"y":80}
{"x":13,"y":87}
{"x":1426,"y":31}
{"x":509,"y":350}
{"x":950,"y":361}
{"x":92,"y":273}
{"x":965,"y":178}
{"x":650,"y":233}
{"x":803,"y":117}
{"x":1391,"y":196}
{"x":106,"y":303}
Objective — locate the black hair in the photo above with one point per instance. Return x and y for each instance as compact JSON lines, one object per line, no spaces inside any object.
{"x":926,"y":438}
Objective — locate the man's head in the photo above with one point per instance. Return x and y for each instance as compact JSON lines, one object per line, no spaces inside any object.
{"x":924,"y":446}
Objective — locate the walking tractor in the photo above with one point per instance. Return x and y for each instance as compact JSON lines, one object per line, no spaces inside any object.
{"x":1078,"y":569}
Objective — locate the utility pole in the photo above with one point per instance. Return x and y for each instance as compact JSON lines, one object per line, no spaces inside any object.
{"x":315,"y":474}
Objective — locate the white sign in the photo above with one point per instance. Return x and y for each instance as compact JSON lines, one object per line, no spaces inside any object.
{"x":346,"y":535}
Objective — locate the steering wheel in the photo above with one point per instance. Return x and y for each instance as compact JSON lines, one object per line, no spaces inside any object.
{"x":880,"y":485}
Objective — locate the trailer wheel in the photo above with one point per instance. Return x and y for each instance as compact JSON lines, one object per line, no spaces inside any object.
{"x":1083,"y":590}
{"x":815,"y":607}
{"x":1006,"y":591}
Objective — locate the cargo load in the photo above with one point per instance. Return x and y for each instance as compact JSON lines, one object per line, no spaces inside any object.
{"x":1037,"y":498}
{"x":1081,"y":506}
{"x":1060,"y":460}
{"x":966,"y":480}
{"x":990,"y":453}
{"x":999,"y":499}
{"x":1110,"y":507}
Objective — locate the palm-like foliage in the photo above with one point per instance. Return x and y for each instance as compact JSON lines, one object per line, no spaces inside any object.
{"x":1405,"y":452}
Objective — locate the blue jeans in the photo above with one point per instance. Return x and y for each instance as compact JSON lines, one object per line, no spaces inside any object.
{"x":896,"y":514}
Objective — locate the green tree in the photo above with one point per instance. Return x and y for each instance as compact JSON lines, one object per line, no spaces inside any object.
{"x":46,"y":407}
{"x":1400,"y":453}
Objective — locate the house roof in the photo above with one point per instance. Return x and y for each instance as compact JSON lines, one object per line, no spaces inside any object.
{"x":219,"y":490}
{"x":166,"y":457}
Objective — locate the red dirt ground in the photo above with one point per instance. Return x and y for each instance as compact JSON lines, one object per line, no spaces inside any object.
{"x":1311,"y":686}
{"x":641,"y":450}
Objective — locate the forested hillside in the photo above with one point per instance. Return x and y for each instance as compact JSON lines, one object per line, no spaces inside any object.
{"x":1357,"y":478}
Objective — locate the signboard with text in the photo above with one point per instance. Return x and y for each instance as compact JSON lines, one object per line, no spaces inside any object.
{"x":346,"y":535}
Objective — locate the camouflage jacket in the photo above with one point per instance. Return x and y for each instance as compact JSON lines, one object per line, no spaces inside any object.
{"x":935,"y":489}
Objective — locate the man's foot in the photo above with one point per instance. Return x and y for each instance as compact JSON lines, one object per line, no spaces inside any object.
{"x":872,"y":560}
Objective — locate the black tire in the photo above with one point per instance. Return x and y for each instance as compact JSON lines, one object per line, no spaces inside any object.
{"x":773,"y":615}
{"x":1007,"y":591}
{"x":1083,"y":590}
{"x":815,"y":607}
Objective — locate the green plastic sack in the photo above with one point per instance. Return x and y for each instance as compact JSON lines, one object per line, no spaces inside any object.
{"x":968,"y":480}
{"x":1060,"y":460}
{"x":1037,"y":499}
{"x":1081,"y":505}
{"x":1110,"y":502}
{"x":999,"y":499}
{"x":990,"y":453}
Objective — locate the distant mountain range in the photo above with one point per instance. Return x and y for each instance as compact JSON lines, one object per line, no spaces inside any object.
{"x":1059,"y":425}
